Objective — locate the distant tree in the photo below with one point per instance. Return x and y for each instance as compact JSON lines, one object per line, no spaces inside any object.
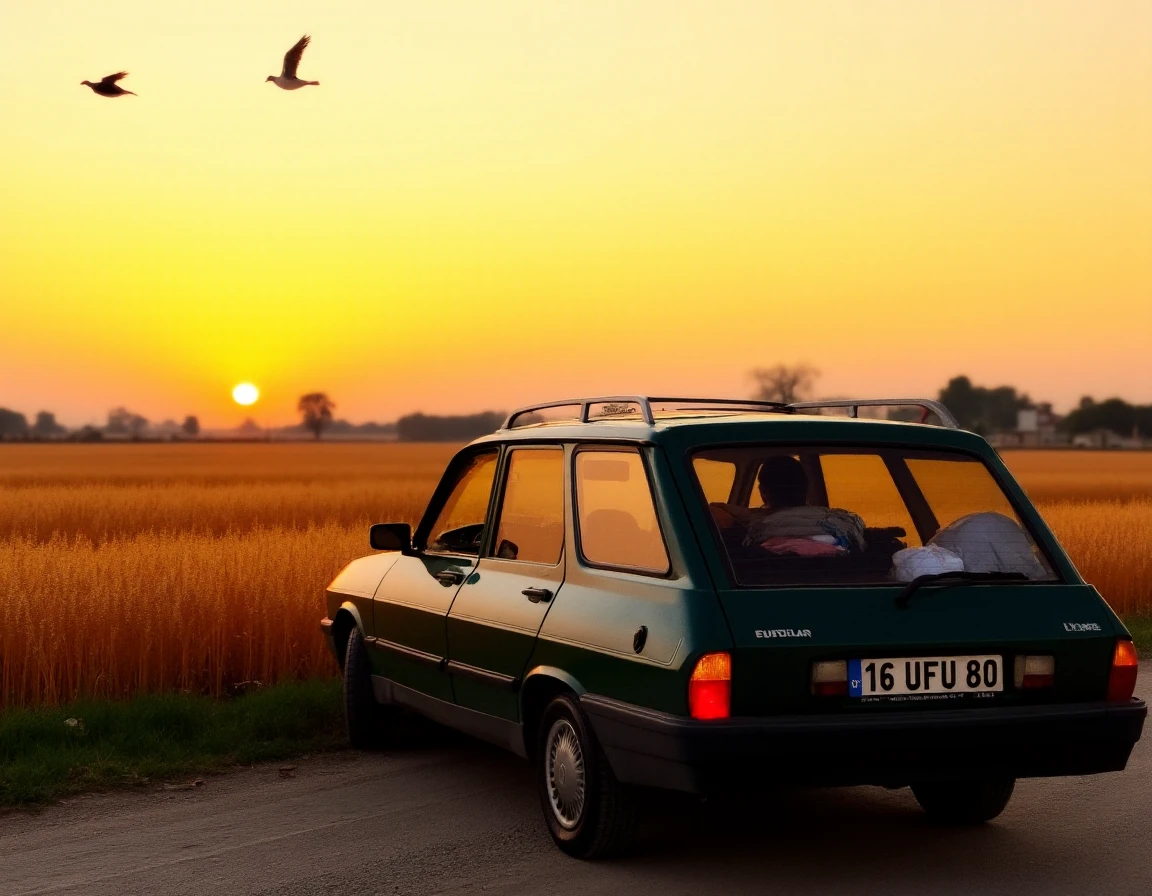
{"x":316,"y":410}
{"x":123,"y":422}
{"x":461,"y":428}
{"x":376,"y":429}
{"x":87,"y":433}
{"x":117,"y":422}
{"x":13,"y":424}
{"x":961,"y":399}
{"x":981,"y":409}
{"x":46,"y":426}
{"x":250,"y":429}
{"x":191,"y":426}
{"x":1113,"y":414}
{"x":785,"y":383}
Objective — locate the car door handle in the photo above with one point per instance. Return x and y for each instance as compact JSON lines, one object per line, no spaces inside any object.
{"x":537,"y":594}
{"x":449,"y":577}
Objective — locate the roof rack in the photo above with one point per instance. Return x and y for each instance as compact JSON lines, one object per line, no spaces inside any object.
{"x":626,"y":405}
{"x":927,"y":406}
{"x":616,"y":406}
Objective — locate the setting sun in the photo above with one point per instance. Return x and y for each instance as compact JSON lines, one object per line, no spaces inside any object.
{"x":245,"y":393}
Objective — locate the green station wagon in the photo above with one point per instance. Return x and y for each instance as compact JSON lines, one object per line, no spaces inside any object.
{"x":711,"y":595}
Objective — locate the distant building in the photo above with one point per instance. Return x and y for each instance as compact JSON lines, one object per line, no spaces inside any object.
{"x":1105,"y":438}
{"x":1036,"y":427}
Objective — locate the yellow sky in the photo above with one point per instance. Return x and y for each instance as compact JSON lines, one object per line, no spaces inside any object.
{"x":486,"y":204}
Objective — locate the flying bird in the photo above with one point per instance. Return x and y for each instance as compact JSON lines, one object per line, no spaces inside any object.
{"x":287,"y":79}
{"x":108,"y":86}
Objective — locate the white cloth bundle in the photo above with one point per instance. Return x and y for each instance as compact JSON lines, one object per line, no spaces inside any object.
{"x":926,"y":561}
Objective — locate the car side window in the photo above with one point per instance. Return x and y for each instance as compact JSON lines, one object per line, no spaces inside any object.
{"x":459,"y":526}
{"x":530,"y":526}
{"x":616,"y":512}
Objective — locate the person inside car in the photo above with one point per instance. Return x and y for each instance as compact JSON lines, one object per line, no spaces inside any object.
{"x":787,"y":523}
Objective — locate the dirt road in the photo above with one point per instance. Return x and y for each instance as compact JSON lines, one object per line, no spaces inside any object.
{"x":455,"y":816}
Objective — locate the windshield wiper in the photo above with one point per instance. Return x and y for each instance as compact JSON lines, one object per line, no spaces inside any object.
{"x":947,"y":579}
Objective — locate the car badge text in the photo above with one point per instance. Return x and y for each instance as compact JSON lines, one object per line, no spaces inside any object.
{"x":784,"y":633}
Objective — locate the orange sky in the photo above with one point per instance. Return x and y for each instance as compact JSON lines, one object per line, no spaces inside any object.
{"x":488,"y":204}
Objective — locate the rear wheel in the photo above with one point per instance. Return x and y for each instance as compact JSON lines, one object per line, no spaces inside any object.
{"x":964,"y":802}
{"x":588,"y":812}
{"x":363,"y":716}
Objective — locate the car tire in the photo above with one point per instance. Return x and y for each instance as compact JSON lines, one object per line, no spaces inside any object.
{"x":589,"y":814}
{"x":363,"y":716}
{"x":964,"y":802}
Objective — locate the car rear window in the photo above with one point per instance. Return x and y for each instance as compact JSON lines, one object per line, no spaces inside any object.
{"x":821,"y":515}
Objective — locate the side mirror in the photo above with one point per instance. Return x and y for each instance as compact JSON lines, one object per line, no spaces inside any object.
{"x":391,"y":537}
{"x":508,"y":550}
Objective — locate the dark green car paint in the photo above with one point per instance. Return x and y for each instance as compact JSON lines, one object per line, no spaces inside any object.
{"x":865,"y":622}
{"x":412,"y":616}
{"x":492,"y":629}
{"x":483,"y":647}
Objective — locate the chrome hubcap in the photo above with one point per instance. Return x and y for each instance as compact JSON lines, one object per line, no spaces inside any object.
{"x":565,"y":771}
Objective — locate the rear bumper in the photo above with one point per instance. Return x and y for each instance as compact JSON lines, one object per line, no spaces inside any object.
{"x":661,"y":750}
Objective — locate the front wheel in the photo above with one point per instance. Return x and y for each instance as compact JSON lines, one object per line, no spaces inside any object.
{"x":363,"y":716}
{"x":964,"y":802}
{"x":588,"y":812}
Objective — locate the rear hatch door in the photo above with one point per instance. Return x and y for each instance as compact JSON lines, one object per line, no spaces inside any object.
{"x":779,"y":633}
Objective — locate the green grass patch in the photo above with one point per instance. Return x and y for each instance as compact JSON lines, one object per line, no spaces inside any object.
{"x":1141,"y":629}
{"x":160,"y":738}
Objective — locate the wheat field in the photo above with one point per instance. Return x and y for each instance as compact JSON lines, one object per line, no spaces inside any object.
{"x":141,"y":568}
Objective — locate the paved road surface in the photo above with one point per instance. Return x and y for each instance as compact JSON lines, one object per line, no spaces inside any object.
{"x":455,"y":816}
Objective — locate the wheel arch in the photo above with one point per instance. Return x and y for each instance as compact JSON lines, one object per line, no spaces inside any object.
{"x":541,"y":684}
{"x":346,"y":619}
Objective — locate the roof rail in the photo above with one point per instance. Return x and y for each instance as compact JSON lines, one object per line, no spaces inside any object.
{"x":616,"y":405}
{"x":626,"y":405}
{"x":927,"y":406}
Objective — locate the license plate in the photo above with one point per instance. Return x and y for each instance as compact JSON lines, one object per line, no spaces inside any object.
{"x":925,"y":675}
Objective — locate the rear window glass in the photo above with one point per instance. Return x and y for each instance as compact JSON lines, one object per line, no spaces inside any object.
{"x":861,"y":516}
{"x":953,"y":485}
{"x":862,"y":480}
{"x":716,"y":478}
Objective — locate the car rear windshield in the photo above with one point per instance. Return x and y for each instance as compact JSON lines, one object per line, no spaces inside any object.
{"x":820,"y":515}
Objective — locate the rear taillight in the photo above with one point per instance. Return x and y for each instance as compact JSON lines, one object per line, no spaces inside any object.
{"x":1035,"y":672}
{"x":1122,"y":681}
{"x":710,"y":687}
{"x":830,"y":679}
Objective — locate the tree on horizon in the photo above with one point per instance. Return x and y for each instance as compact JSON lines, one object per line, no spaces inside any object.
{"x":46,"y":426}
{"x":123,"y":422}
{"x":13,"y":424}
{"x":1114,"y":414}
{"x":785,"y":383}
{"x":316,"y":409}
{"x":982,"y":409}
